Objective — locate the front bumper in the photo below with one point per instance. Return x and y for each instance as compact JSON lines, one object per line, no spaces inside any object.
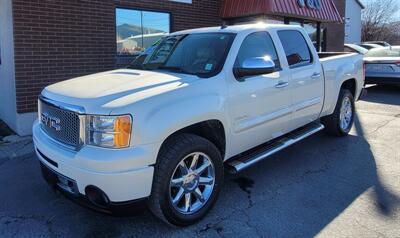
{"x":116,"y":208}
{"x":123,"y":175}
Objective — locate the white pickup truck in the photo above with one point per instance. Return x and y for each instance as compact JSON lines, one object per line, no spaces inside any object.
{"x":204,"y":100}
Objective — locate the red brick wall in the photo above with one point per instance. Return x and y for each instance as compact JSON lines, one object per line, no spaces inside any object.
{"x":60,"y":39}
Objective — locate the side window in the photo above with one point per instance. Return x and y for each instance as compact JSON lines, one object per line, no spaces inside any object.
{"x":296,"y":48}
{"x":258,"y":44}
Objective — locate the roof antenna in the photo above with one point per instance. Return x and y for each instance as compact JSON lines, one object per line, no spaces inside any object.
{"x":224,"y":25}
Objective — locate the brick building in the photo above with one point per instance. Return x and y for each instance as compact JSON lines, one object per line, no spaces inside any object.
{"x":46,"y":41}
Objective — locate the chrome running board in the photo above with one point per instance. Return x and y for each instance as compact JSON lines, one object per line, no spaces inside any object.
{"x":251,"y":157}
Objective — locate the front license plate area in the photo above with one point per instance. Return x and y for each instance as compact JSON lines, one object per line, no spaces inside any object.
{"x":59,"y":180}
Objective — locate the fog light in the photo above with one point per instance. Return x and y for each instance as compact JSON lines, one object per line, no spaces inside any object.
{"x":97,"y":196}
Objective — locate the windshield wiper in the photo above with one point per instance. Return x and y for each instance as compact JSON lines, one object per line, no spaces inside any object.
{"x":177,"y":69}
{"x":172,"y":68}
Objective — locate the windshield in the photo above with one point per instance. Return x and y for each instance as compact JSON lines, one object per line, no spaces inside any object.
{"x":384,"y":52}
{"x":200,"y":54}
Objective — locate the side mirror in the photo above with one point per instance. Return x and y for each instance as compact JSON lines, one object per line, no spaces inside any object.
{"x":254,"y":66}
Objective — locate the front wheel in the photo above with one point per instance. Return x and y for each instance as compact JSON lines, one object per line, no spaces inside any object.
{"x":187,"y":180}
{"x":341,"y":121}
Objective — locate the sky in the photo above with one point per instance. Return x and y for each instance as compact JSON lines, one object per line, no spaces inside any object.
{"x":397,"y":15}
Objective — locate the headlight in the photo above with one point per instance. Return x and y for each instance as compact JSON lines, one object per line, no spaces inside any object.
{"x":108,"y":131}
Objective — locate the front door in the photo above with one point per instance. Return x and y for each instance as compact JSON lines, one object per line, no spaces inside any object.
{"x":259,"y":106}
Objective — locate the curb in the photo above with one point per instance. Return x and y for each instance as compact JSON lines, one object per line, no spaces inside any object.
{"x":21,"y":147}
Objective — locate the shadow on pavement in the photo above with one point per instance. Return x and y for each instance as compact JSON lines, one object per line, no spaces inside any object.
{"x":387,"y":202}
{"x":385,"y":94}
{"x":308,"y":185}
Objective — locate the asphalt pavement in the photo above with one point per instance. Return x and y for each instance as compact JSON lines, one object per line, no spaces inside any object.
{"x":323,"y":186}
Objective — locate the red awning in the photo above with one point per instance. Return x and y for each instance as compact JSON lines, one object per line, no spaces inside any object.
{"x":288,"y":8}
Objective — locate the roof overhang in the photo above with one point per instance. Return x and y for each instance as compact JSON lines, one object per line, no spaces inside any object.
{"x":315,"y":10}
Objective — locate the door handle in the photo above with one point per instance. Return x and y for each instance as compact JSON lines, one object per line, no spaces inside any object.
{"x":282,"y":84}
{"x":316,"y":75}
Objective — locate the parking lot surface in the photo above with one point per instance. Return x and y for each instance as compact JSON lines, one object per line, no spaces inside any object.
{"x":323,"y":186}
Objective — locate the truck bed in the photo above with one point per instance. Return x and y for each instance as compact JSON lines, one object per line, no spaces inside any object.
{"x":338,"y":66}
{"x":324,"y":55}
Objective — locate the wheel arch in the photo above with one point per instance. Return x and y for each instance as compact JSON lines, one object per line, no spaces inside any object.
{"x":212,"y":130}
{"x":351,"y":85}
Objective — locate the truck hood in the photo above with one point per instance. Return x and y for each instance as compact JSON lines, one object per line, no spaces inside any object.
{"x":103,"y":92}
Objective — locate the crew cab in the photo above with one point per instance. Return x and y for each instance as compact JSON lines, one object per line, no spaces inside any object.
{"x":203,"y":100}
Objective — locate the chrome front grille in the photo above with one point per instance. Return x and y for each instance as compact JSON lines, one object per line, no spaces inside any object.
{"x":60,"y":124}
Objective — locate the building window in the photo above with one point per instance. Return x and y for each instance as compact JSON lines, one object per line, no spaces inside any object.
{"x":311,"y":29}
{"x":294,"y":23}
{"x":182,"y":1}
{"x":137,"y":30}
{"x":323,"y":39}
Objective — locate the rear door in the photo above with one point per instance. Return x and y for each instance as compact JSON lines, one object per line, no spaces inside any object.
{"x":307,"y":80}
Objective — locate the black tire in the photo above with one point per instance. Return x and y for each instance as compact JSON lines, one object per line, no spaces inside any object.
{"x":172,"y":152}
{"x":332,"y":122}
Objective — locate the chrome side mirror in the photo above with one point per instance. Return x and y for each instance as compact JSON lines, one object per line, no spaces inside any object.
{"x":254,"y":66}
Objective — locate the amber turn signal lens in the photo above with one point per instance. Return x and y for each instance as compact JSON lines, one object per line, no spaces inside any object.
{"x":122,"y":130}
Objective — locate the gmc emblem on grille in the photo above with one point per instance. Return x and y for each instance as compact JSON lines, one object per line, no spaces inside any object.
{"x":52,"y":122}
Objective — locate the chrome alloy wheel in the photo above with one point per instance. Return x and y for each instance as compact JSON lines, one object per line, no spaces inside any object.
{"x":192,"y":183}
{"x":346,"y":114}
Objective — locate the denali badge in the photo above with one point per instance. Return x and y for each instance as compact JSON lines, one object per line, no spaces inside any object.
{"x":52,"y":122}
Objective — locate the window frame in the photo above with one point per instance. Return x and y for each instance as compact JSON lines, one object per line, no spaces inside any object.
{"x":308,"y":47}
{"x":117,"y":6}
{"x":277,"y":69}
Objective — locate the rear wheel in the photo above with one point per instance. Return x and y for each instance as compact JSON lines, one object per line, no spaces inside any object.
{"x":341,"y":121}
{"x":187,"y":180}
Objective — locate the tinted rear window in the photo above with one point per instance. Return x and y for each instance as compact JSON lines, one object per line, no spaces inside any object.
{"x":296,"y":48}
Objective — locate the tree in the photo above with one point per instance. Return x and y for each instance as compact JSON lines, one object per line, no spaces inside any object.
{"x":377,"y":19}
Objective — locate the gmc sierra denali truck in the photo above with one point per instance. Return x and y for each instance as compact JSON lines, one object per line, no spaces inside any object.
{"x":202,"y":100}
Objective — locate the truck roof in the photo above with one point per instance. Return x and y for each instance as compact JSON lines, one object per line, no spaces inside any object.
{"x":237,"y":28}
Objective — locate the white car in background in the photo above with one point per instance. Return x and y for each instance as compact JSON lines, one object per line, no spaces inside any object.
{"x":369,"y":46}
{"x":353,"y":48}
{"x":381,"y":43}
{"x":382,"y":65}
